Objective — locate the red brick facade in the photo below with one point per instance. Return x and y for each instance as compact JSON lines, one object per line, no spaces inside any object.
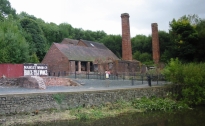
{"x":126,"y":42}
{"x":155,"y":43}
{"x":56,"y":61}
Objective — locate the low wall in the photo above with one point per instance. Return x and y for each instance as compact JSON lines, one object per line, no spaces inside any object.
{"x":27,"y":103}
{"x":49,"y":81}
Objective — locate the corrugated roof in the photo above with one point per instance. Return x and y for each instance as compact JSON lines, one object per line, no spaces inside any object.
{"x":81,"y":53}
{"x":94,"y":44}
{"x":69,"y":41}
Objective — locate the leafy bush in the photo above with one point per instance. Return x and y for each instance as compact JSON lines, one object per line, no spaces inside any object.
{"x":173,"y":71}
{"x":191,"y":76}
{"x":194,"y":78}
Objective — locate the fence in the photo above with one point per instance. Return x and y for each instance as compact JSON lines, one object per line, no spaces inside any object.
{"x":132,"y":76}
{"x":11,"y":70}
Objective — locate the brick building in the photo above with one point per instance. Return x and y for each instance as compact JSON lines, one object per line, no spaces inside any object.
{"x":84,"y":56}
{"x":77,"y":56}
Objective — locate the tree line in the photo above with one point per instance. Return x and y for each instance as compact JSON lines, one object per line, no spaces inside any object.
{"x":26,"y":39}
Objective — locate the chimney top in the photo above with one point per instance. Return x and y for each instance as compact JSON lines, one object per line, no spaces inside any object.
{"x":154,"y":24}
{"x":125,"y":14}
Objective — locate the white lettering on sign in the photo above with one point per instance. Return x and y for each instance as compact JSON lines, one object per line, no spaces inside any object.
{"x":35,"y":69}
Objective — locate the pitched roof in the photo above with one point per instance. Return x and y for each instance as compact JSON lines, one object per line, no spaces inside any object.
{"x":69,"y":41}
{"x":94,"y":44}
{"x":82,"y":53}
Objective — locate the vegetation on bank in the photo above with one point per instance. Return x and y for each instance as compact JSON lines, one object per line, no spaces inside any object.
{"x":137,"y":105}
{"x":98,"y":112}
{"x":191,"y":76}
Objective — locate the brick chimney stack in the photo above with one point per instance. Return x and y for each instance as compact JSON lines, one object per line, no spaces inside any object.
{"x":155,"y":43}
{"x":126,"y":42}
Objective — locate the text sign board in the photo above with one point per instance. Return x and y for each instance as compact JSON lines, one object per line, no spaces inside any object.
{"x":35,"y":69}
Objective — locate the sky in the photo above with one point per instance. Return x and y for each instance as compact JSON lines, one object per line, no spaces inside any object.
{"x":104,"y":15}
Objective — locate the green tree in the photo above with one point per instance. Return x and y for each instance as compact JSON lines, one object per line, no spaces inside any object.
{"x":78,"y":33}
{"x":164,"y":44}
{"x":200,"y":52}
{"x":34,"y":36}
{"x":98,"y":35}
{"x":185,"y":39}
{"x":13,"y":46}
{"x":23,"y":15}
{"x":51,"y":32}
{"x":142,"y":43}
{"x":6,"y":9}
{"x":114,"y":43}
{"x":66,"y":31}
{"x":145,"y":58}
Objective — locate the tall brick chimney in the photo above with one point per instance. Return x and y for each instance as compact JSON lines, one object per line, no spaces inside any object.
{"x":126,"y":42}
{"x":155,"y":43}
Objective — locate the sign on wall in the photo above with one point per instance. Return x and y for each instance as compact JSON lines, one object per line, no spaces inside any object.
{"x":35,"y":69}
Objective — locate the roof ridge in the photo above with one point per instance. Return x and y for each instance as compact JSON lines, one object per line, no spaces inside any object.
{"x":92,"y":41}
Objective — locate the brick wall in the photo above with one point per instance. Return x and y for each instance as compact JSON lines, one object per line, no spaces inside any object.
{"x":56,"y":61}
{"x":126,"y":67}
{"x":155,"y":43}
{"x":59,"y":81}
{"x":126,"y":42}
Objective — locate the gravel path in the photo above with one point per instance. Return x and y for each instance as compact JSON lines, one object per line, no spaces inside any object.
{"x":87,"y":85}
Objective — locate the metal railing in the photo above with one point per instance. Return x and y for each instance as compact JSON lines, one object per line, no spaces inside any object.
{"x":132,"y":76}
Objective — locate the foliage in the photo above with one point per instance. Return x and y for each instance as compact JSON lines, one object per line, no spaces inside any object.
{"x":173,"y":71}
{"x":51,"y":32}
{"x":145,"y":58}
{"x":158,"y":104}
{"x":192,"y":76}
{"x":13,"y":46}
{"x":121,"y":106}
{"x":59,"y":98}
{"x":165,"y":44}
{"x":185,"y":39}
{"x":113,"y":42}
{"x":66,"y":30}
{"x":142,"y":44}
{"x":34,"y":58}
{"x":200,"y":28}
{"x":6,"y":9}
{"x":34,"y":37}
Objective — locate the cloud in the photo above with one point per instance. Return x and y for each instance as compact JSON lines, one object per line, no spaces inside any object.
{"x":105,"y":14}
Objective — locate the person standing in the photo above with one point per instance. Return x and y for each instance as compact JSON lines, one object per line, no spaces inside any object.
{"x":107,"y":74}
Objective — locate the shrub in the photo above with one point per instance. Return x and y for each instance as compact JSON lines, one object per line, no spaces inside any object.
{"x":191,"y":76}
{"x":173,"y":71}
{"x":194,"y":78}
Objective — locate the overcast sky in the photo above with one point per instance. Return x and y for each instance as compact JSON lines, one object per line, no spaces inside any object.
{"x":104,"y":15}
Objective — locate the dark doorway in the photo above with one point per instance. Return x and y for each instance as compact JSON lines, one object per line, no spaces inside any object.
{"x":91,"y":67}
{"x":83,"y":66}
